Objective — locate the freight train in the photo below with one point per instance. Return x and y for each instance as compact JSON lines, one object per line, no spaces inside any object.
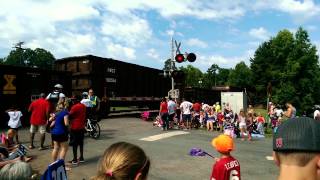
{"x":21,"y":85}
{"x":117,"y":83}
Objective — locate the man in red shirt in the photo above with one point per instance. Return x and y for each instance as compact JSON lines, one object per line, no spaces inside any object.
{"x":226,"y":167}
{"x":77,"y":129}
{"x":39,"y":114}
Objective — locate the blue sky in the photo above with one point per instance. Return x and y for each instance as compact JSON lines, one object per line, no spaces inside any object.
{"x":223,"y":32}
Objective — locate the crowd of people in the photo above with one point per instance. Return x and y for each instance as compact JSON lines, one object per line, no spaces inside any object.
{"x":294,"y":148}
{"x":187,"y":115}
{"x":64,"y":118}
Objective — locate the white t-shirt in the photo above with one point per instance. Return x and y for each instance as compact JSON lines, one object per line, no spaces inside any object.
{"x":278,"y":112}
{"x":171,"y":107}
{"x":86,"y":102}
{"x":14,"y":121}
{"x":316,"y":114}
{"x":186,"y":107}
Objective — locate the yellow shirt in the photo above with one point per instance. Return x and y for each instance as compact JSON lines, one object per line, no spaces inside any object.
{"x":218,"y":108}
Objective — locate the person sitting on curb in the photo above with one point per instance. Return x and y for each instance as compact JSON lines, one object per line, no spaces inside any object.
{"x":296,"y":149}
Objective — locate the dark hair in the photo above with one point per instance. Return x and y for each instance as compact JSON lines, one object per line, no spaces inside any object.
{"x":297,"y":158}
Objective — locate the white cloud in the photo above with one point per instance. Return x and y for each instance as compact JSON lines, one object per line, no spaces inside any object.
{"x":170,"y":32}
{"x":311,"y":28}
{"x":153,"y":54}
{"x":130,"y":30}
{"x":259,"y":33}
{"x":224,"y":44}
{"x":300,"y":10}
{"x":118,"y":51}
{"x":66,"y":44}
{"x":169,"y":8}
{"x":205,"y":61}
{"x":194,"y":42}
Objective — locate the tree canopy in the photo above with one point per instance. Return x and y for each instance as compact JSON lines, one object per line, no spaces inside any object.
{"x":290,"y":64}
{"x":38,"y":57}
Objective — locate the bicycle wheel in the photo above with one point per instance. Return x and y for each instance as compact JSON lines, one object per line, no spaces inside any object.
{"x":95,"y":133}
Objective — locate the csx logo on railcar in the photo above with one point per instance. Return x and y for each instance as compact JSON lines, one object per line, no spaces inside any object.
{"x":9,"y":87}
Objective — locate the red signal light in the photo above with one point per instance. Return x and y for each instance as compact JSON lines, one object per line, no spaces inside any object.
{"x":179,"y":58}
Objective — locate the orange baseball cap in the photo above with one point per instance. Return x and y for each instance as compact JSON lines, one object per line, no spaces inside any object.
{"x":223,"y":143}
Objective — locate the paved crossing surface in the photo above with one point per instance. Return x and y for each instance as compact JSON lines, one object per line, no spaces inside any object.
{"x":168,"y":151}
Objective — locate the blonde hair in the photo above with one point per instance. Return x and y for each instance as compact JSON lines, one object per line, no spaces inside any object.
{"x":62,"y":104}
{"x":16,"y":170}
{"x":123,"y":161}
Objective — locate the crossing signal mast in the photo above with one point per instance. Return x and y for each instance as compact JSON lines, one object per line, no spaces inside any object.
{"x":178,"y":75}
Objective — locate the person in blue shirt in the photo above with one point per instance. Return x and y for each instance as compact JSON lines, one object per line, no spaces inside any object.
{"x":60,"y":131}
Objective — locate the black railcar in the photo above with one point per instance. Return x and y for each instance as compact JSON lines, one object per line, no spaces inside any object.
{"x":118,"y":83}
{"x":21,"y":85}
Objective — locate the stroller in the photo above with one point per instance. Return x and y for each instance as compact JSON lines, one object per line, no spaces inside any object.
{"x":229,"y":125}
{"x":195,"y":122}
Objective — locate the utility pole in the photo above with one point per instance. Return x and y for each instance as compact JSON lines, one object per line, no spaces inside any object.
{"x":172,"y":63}
{"x":18,"y":46}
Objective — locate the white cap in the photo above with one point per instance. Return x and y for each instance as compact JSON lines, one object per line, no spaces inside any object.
{"x":58,"y":86}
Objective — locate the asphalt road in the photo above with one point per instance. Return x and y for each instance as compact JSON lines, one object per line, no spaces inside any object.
{"x":169,"y":156}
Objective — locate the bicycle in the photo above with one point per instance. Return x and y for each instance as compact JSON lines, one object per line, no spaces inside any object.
{"x":93,"y":128}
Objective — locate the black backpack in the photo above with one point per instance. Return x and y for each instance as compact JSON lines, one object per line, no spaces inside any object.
{"x":54,"y":98}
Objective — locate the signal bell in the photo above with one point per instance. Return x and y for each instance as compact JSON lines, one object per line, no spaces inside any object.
{"x":179,"y":58}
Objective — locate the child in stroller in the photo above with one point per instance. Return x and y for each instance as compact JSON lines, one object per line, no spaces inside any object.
{"x":229,"y":124}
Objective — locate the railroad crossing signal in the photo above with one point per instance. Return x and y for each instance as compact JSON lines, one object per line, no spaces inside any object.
{"x":191,"y":57}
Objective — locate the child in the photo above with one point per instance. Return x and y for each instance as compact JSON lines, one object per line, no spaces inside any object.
{"x":14,"y":122}
{"x":226,"y":167}
{"x":261,"y":122}
{"x":123,"y":161}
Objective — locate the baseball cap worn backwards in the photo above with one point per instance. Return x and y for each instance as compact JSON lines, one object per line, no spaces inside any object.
{"x":297,"y":134}
{"x":223,"y":143}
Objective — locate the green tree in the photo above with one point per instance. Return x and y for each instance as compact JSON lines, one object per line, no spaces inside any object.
{"x":269,"y":62}
{"x":192,"y":76}
{"x":290,"y":63}
{"x":223,"y":76}
{"x":43,"y":59}
{"x":240,"y":76}
{"x":40,"y":58}
{"x":210,"y":77}
{"x":167,"y":65}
